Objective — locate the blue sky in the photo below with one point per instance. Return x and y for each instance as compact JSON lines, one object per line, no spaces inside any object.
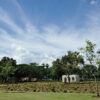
{"x":42,"y":30}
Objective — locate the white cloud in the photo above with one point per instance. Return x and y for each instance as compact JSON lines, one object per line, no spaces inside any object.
{"x":33,"y":45}
{"x":94,"y":2}
{"x":91,"y":2}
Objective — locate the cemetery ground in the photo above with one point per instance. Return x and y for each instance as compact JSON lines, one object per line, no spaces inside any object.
{"x":48,"y":91}
{"x":59,"y":87}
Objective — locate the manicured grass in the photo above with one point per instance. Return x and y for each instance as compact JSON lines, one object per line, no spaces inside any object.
{"x":44,"y":96}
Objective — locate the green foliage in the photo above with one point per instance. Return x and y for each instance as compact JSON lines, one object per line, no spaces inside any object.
{"x":7,"y":69}
{"x":93,"y":58}
{"x":29,"y":70}
{"x":88,"y":71}
{"x":68,"y":64}
{"x":89,"y":51}
{"x":72,"y":61}
{"x":58,"y":69}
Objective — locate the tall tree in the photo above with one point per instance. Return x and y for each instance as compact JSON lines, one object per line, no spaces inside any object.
{"x":87,"y":70}
{"x":67,"y":64}
{"x":7,"y":69}
{"x":93,"y":58}
{"x":72,"y":61}
{"x":58,"y":69}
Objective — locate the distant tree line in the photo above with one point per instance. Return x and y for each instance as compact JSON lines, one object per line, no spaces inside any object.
{"x":71,"y":63}
{"x":11,"y":72}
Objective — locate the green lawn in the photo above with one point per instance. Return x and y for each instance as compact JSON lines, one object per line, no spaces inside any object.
{"x":45,"y":96}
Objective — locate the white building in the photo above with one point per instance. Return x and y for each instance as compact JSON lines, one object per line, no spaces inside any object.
{"x":72,"y":78}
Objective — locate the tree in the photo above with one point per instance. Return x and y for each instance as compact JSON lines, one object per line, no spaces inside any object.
{"x":88,"y":70}
{"x":93,"y":58}
{"x":67,"y":64}
{"x":31,"y":70}
{"x":7,"y":69}
{"x":23,"y":70}
{"x":47,"y":71}
{"x":71,"y":62}
{"x":4,"y":60}
{"x":58,"y":69}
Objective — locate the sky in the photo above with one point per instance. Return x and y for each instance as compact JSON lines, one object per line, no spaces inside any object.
{"x":43,"y":30}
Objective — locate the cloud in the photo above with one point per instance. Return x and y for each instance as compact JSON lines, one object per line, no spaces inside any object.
{"x":91,"y":2}
{"x":32,"y":44}
{"x":94,"y":2}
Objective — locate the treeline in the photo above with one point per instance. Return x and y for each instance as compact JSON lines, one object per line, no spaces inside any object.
{"x":11,"y":72}
{"x":72,"y":63}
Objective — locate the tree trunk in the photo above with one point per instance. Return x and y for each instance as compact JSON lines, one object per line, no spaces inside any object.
{"x":97,"y":89}
{"x":68,"y":79}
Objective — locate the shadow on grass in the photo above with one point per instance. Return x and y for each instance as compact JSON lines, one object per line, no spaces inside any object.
{"x":96,"y":96}
{"x":14,"y":92}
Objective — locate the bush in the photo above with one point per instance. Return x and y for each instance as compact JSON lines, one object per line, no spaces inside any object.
{"x":84,"y":87}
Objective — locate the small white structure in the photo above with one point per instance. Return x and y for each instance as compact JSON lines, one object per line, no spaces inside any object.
{"x":71,"y":78}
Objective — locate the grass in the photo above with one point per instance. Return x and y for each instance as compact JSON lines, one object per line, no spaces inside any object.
{"x":44,"y":96}
{"x":48,"y":91}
